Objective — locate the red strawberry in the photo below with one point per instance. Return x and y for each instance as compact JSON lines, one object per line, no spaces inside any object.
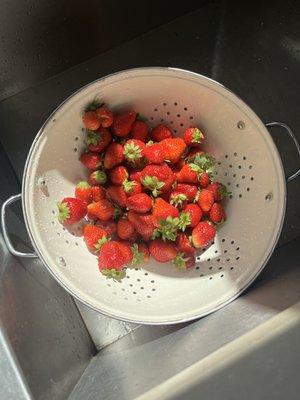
{"x":125,"y":247}
{"x":187,"y":175}
{"x":102,"y":209}
{"x":90,"y":120}
{"x":98,"y":140}
{"x":193,"y":137}
{"x":125,"y":229}
{"x":132,"y":187}
{"x":203,"y":233}
{"x":91,"y":160}
{"x":134,"y":150}
{"x":218,"y":190}
{"x":162,"y":210}
{"x":140,"y":202}
{"x":162,"y":251}
{"x":184,"y":261}
{"x":143,"y":224}
{"x":184,"y":244}
{"x":161,"y":132}
{"x":97,"y":178}
{"x":154,"y":153}
{"x":217,"y":213}
{"x":117,"y":195}
{"x":113,"y":156}
{"x":139,"y":130}
{"x":71,"y":210}
{"x":98,"y":193}
{"x":189,"y":191}
{"x":110,"y":227}
{"x":157,"y":178}
{"x":111,"y":260}
{"x":118,"y":175}
{"x":205,"y":199}
{"x":105,"y":116}
{"x":122,"y":124}
{"x":195,"y":213}
{"x":83,"y":191}
{"x":193,"y":153}
{"x":173,"y":149}
{"x":94,"y":237}
{"x":203,"y":179}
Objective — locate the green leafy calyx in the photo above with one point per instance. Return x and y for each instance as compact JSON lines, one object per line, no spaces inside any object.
{"x":153,"y":184}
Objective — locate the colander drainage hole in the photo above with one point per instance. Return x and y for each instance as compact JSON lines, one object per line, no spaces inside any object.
{"x":218,"y":259}
{"x":235,"y":154}
{"x":161,"y":120}
{"x":241,"y":125}
{"x":185,"y":108}
{"x":149,"y":297}
{"x":175,"y":104}
{"x":240,"y":196}
{"x":153,"y":290}
{"x":244,"y":158}
{"x":130,"y":284}
{"x":232,"y":242}
{"x":220,"y":268}
{"x":210,"y":278}
{"x":225,"y":251}
{"x":75,"y":149}
{"x":146,"y":273}
{"x":221,"y":276}
{"x":181,"y":124}
{"x":142,"y":287}
{"x":248,"y":189}
{"x":197,"y":267}
{"x":76,"y":138}
{"x":237,"y":258}
{"x":231,"y":268}
{"x":223,"y":240}
{"x":155,"y":109}
{"x":133,"y":292}
{"x":152,"y":281}
{"x":123,"y":290}
{"x":168,"y":112}
{"x":53,"y":212}
{"x":210,"y":268}
{"x":164,"y":104}
{"x":226,"y":155}
{"x":191,"y":117}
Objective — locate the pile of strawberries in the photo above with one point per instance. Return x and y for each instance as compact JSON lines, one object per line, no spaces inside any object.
{"x":147,"y":193}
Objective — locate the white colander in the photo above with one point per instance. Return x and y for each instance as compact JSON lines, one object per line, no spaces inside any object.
{"x":248,"y":163}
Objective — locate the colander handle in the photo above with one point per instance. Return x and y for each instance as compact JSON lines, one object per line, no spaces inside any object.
{"x":8,"y":243}
{"x":292,"y":135}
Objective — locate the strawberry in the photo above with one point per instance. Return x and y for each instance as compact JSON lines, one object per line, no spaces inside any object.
{"x":217,"y":213}
{"x":83,"y":191}
{"x":203,"y":233}
{"x":94,"y":237}
{"x":218,"y":190}
{"x":173,"y":149}
{"x":91,"y":160}
{"x":118,"y":175}
{"x":122,"y":124}
{"x":113,"y":156}
{"x":140,"y":254}
{"x":143,"y":224}
{"x":117,"y":195}
{"x":154,"y":153}
{"x":71,"y":210}
{"x":184,"y":244}
{"x":160,"y":132}
{"x":187,"y":175}
{"x":193,"y":153}
{"x":90,"y":120}
{"x":195,"y":213}
{"x":157,"y":178}
{"x":203,"y":179}
{"x":162,"y":210}
{"x":97,"y":178}
{"x":132,"y":187}
{"x":139,"y":130}
{"x":184,"y":261}
{"x":125,"y":247}
{"x":133,"y":150}
{"x":102,"y":209}
{"x":203,"y":162}
{"x":189,"y":191}
{"x":105,"y":116}
{"x":162,"y":251}
{"x":98,"y":140}
{"x":193,"y":137}
{"x":111,"y":260}
{"x":125,"y":229}
{"x":110,"y":227}
{"x":205,"y":199}
{"x":98,"y":193}
{"x":140,"y":202}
